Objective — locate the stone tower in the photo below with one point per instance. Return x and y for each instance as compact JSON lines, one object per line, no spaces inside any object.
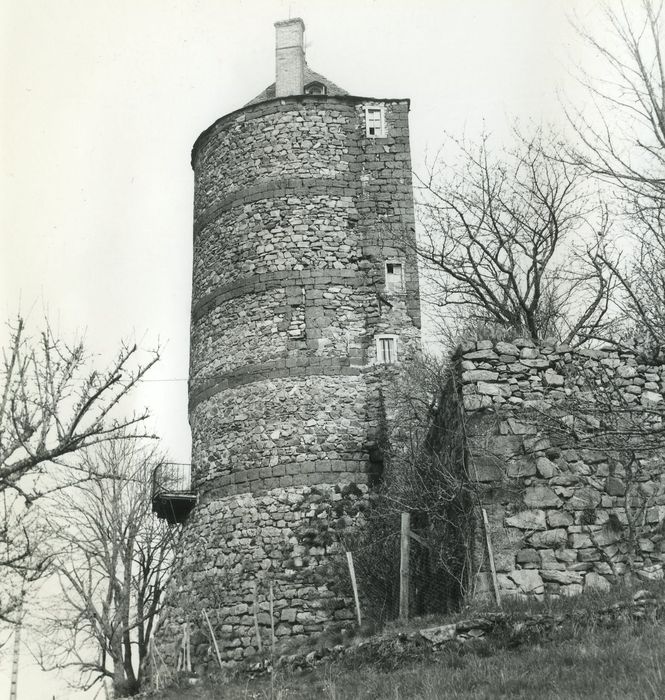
{"x":305,"y":301}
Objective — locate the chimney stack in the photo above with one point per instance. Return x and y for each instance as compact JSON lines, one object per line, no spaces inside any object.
{"x":290,"y":57}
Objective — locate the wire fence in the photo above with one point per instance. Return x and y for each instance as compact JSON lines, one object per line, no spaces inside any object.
{"x":407,"y":570}
{"x":398,"y":565}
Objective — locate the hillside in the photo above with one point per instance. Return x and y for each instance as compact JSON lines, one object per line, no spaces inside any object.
{"x":610,"y":646}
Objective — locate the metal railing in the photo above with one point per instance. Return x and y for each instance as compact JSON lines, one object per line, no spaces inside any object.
{"x":172,"y":478}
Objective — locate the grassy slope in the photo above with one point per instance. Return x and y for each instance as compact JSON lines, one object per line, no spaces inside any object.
{"x":626,"y":661}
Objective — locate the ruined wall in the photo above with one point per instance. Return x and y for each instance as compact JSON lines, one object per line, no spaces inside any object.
{"x":565,"y":451}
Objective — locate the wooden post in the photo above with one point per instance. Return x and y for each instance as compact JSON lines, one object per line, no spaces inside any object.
{"x":490,"y":554}
{"x":352,"y":573}
{"x":214,"y":639}
{"x":188,"y":652}
{"x":404,"y":568}
{"x":256,"y":617}
{"x":180,"y":662}
{"x":272,"y":622}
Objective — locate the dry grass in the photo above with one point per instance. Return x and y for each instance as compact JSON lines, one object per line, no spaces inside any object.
{"x":579,"y":661}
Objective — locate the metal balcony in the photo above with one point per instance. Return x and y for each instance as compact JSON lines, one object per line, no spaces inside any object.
{"x":172,"y":494}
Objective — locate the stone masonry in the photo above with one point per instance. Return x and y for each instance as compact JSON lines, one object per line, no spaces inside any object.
{"x":297,"y":214}
{"x":568,"y":509}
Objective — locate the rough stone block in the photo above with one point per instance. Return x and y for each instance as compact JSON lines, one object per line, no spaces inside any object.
{"x":566,"y":555}
{"x":650,"y":398}
{"x":626,"y":371}
{"x":537,"y":443}
{"x":592,"y":554}
{"x":550,"y":561}
{"x":487,"y":354}
{"x":551,"y":378}
{"x":480,"y":375}
{"x":527,"y":581}
{"x":527,"y":520}
{"x":438,"y":635}
{"x":507,"y":349}
{"x":473,"y":402}
{"x":580,"y":540}
{"x":527,"y":556}
{"x":596,"y":582}
{"x":521,"y":468}
{"x":536,"y":364}
{"x":489,"y":389}
{"x":540,"y":496}
{"x":545,"y":467}
{"x":563,"y":578}
{"x":559,"y":518}
{"x":549,"y":539}
{"x":571,"y":590}
{"x":584,"y":498}
{"x":486,"y":469}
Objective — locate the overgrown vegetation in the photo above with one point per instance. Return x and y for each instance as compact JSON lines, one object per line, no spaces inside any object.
{"x":424,"y":475}
{"x":582,"y":659}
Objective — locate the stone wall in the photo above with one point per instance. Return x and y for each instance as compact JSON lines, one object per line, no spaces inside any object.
{"x":296,"y":213}
{"x":564,"y":448}
{"x":236,"y":547}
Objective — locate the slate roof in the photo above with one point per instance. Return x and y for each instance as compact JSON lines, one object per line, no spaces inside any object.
{"x":310,"y":77}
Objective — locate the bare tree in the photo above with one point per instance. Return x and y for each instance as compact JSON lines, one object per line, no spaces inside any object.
{"x":515,"y":240}
{"x":52,"y":407}
{"x":424,"y":474}
{"x":112,"y":566}
{"x":622,"y":142}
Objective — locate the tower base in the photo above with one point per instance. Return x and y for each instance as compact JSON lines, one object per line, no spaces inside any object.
{"x":246,"y":555}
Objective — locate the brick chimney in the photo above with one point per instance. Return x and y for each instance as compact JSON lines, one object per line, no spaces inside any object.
{"x":290,"y":57}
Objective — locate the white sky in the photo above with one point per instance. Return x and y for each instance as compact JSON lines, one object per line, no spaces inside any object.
{"x":103,"y":99}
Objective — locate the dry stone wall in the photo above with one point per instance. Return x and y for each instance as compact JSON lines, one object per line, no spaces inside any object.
{"x":564,"y":448}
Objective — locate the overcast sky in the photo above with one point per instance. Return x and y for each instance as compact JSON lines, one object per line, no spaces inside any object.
{"x":103,"y":99}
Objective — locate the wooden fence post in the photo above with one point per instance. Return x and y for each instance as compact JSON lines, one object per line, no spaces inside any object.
{"x":257,"y":631}
{"x":404,"y":568}
{"x":214,"y":639}
{"x":189,"y":650}
{"x":272,"y":623}
{"x":352,"y":573}
{"x":490,"y":554}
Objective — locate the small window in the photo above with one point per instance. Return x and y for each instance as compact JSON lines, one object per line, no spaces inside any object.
{"x":374,"y":122}
{"x":315,"y":89}
{"x":386,"y":349}
{"x":394,"y":277}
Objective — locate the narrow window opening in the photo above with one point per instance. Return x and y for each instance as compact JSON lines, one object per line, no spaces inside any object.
{"x":386,"y":349}
{"x":394,"y":276}
{"x":374,"y":122}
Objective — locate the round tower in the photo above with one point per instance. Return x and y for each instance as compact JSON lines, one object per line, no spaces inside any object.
{"x":305,"y":294}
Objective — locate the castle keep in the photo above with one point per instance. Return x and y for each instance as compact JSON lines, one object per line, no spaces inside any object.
{"x":305,"y":294}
